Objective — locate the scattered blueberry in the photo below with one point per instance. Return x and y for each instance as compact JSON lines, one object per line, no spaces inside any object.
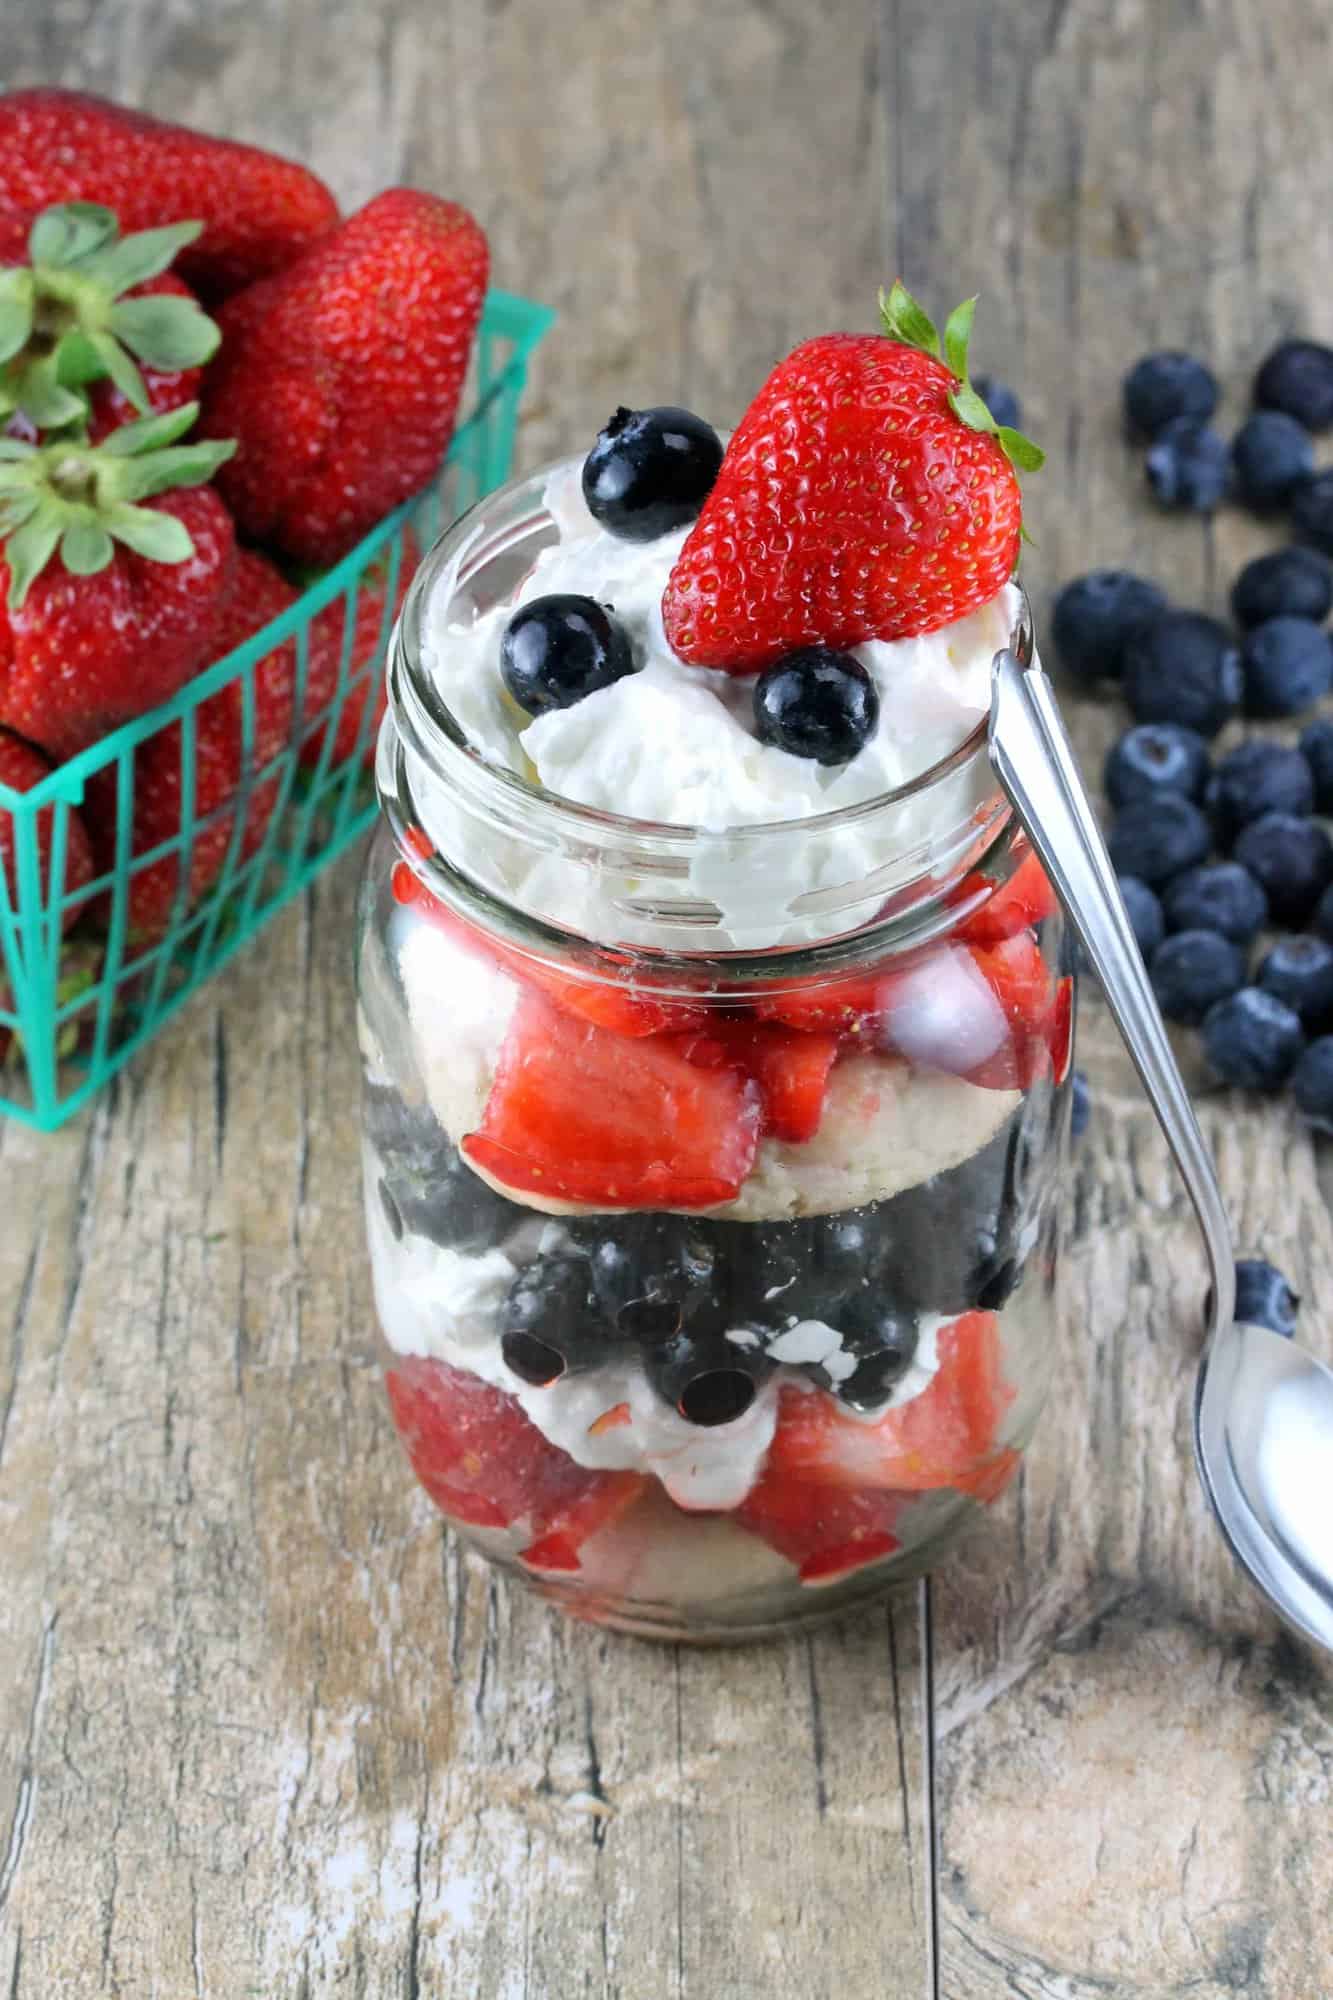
{"x":1188,"y":465}
{"x":1286,"y":583}
{"x":1221,"y":896}
{"x":1322,"y":920}
{"x":1183,"y":667}
{"x":1192,"y":971}
{"x":1252,"y":1039}
{"x":651,"y":1276}
{"x":709,"y":1380}
{"x":1000,"y":400}
{"x":816,"y":703}
{"x":1271,"y":453}
{"x":558,"y":649}
{"x":1094,"y":617}
{"x":1163,"y":387}
{"x":1312,"y":511}
{"x":1145,"y":914}
{"x":1080,"y":1104}
{"x":1298,"y":377}
{"x":650,"y":471}
{"x":1156,"y":757}
{"x":1299,"y":972}
{"x":1288,"y":666}
{"x":1264,"y":1298}
{"x":1292,"y":859}
{"x":1158,"y":838}
{"x":547,"y":1328}
{"x":1317,"y":750}
{"x":1255,"y":778}
{"x":1312,"y":1085}
{"x":883,"y":1343}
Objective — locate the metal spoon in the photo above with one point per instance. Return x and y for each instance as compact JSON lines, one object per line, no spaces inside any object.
{"x":1263,"y":1409}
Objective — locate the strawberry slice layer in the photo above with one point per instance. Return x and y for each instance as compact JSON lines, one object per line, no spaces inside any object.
{"x":579,"y":1113}
{"x":1019,"y":904}
{"x":790,"y":1068}
{"x":484,"y":1462}
{"x":826,"y":1531}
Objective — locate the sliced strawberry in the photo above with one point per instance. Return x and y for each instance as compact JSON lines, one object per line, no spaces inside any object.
{"x":828,"y":1006}
{"x":825,"y":1530}
{"x":1018,"y":976}
{"x":582,"y":1114}
{"x":1061,"y":1029}
{"x":1019,"y":904}
{"x":943,"y":1437}
{"x":791,"y":1069}
{"x":574,"y":1521}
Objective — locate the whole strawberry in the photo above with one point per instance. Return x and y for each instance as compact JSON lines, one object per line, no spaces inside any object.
{"x":340,"y":378}
{"x":259,"y":210}
{"x":867,"y":494}
{"x":21,"y":769}
{"x":111,"y":605}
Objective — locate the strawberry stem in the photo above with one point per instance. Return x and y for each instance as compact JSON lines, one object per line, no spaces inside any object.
{"x":907,"y":321}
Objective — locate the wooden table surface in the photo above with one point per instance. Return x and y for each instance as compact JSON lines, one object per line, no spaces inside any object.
{"x":262,"y":1729}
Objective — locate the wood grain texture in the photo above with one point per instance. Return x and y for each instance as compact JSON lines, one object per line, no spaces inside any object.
{"x":263,"y":1729}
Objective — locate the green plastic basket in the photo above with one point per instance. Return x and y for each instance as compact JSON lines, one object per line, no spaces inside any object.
{"x":74,"y":1008}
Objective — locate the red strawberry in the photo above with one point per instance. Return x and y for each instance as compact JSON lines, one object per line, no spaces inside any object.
{"x":1019,"y":904}
{"x":165,"y":388}
{"x":259,"y":210}
{"x":825,"y":1530}
{"x":866,"y":494}
{"x":1018,"y":976}
{"x":1061,"y":1029}
{"x":578,"y":1113}
{"x":791,"y":1069}
{"x":341,"y":377}
{"x":827,"y":1006}
{"x":21,"y":768}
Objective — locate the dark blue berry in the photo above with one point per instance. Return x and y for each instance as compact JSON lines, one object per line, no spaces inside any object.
{"x":1221,"y":896}
{"x":1080,"y":1104}
{"x":1156,"y":757}
{"x":651,"y":1276}
{"x":1255,"y":778}
{"x":1322,"y":920}
{"x":708,"y":1379}
{"x":1145,"y":914}
{"x":883,"y":1343}
{"x":1163,"y":387}
{"x":1192,"y":971}
{"x":547,"y":1329}
{"x":1288,"y":665}
{"x":1183,"y":667}
{"x":1298,"y":377}
{"x":1312,"y":1085}
{"x":816,"y":703}
{"x":558,"y":649}
{"x":1293,"y":861}
{"x":1317,"y":750}
{"x":1299,"y":971}
{"x":1094,"y":617}
{"x":650,"y":471}
{"x":1286,"y":583}
{"x":1271,"y":454}
{"x":1158,"y":838}
{"x":1000,"y":400}
{"x":1252,"y":1040}
{"x":1188,"y":465}
{"x":1264,"y":1298}
{"x":1312,"y":511}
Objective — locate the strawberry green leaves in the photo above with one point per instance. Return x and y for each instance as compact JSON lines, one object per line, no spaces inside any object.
{"x":82,"y":499}
{"x":64,"y":321}
{"x":905,"y":320}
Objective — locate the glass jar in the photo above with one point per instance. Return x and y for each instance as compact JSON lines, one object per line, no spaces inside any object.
{"x":711,"y":1176}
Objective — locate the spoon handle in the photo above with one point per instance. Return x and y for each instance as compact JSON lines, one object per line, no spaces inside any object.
{"x":1035,"y":764}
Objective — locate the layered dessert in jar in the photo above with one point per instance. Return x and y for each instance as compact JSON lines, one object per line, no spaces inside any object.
{"x":714,"y":1017}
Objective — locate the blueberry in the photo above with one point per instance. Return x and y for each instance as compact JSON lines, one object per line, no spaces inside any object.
{"x":1080,"y":1104}
{"x":1271,"y":453}
{"x":1288,"y":666}
{"x":1312,"y":1085}
{"x":1317,"y":750}
{"x":650,"y":471}
{"x":1000,"y":400}
{"x":1287,"y":583}
{"x":426,"y":1187}
{"x":1188,"y":465}
{"x":652,"y":1275}
{"x":1298,"y":377}
{"x":548,"y":1327}
{"x":882,"y":1342}
{"x":816,"y":703}
{"x":1255,"y":778}
{"x":1264,"y":1298}
{"x":558,"y":649}
{"x":1221,"y":896}
{"x":1094,"y":617}
{"x":708,"y":1379}
{"x":1322,"y":920}
{"x":1312,"y":511}
{"x":1192,"y":971}
{"x":1156,"y":757}
{"x":1183,"y":667}
{"x":1293,"y":860}
{"x":1252,"y":1039}
{"x":1158,"y":838}
{"x":1299,"y":971}
{"x":1145,"y":914}
{"x":1163,"y":387}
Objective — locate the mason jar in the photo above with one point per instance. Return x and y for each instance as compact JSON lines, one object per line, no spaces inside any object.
{"x":711,"y":1173}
